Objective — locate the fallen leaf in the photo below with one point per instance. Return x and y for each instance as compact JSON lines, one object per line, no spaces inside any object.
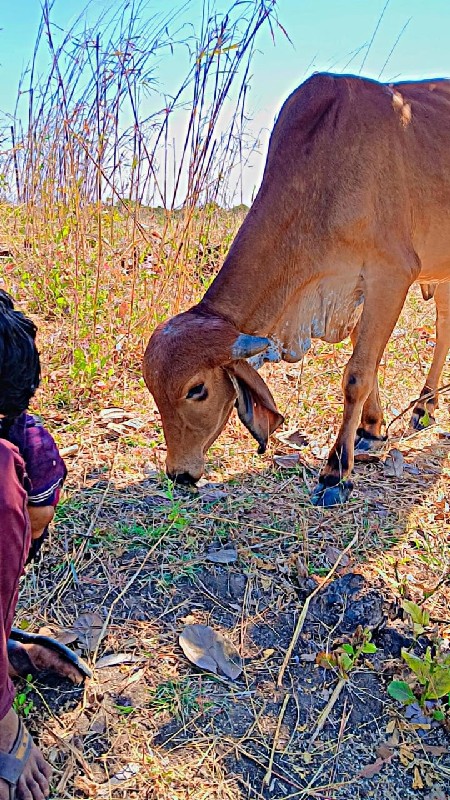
{"x":287,"y":461}
{"x":135,"y":423}
{"x":372,"y":769}
{"x":88,"y":628}
{"x":212,"y":495}
{"x":405,"y":755}
{"x":385,"y":752}
{"x":294,"y":439}
{"x":417,"y":780}
{"x":68,"y":451}
{"x":436,"y":794}
{"x":222,"y":555}
{"x":333,"y":553}
{"x":435,"y":749}
{"x":63,"y":635}
{"x":116,"y":660}
{"x":111,"y":414}
{"x":302,"y":569}
{"x":209,"y":650}
{"x":394,"y":464}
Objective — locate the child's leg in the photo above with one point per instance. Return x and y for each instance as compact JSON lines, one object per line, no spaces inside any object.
{"x":40,"y":519}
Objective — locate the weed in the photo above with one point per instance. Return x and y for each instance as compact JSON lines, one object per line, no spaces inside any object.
{"x":180,"y":699}
{"x":432,"y":673}
{"x":347,"y":655}
{"x":23,"y":704}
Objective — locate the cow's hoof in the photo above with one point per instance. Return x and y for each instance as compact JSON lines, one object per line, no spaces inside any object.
{"x":367,"y":446}
{"x":328,"y":496}
{"x":420,"y":421}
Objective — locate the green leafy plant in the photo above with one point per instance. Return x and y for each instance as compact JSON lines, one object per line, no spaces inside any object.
{"x":23,"y":704}
{"x":346,"y":656}
{"x":432,"y":675}
{"x":419,"y":617}
{"x":177,"y":698}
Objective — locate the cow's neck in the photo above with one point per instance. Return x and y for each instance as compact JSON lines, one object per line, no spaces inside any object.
{"x":253,"y":287}
{"x":264,"y":292}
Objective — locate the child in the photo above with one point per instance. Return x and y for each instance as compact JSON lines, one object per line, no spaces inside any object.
{"x":45,"y":469}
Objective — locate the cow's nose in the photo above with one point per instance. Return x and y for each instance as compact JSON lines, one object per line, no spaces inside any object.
{"x":183,"y":478}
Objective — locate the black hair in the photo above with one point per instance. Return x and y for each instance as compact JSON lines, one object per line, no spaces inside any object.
{"x":20,"y":368}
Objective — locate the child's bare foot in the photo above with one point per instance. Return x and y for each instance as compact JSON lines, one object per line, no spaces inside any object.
{"x":22,"y":765}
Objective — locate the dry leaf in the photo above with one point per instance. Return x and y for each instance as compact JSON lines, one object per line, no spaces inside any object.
{"x":88,"y":628}
{"x":391,"y":726}
{"x":294,"y":439}
{"x":394,"y":464}
{"x":287,"y":461}
{"x":333,"y":553}
{"x":62,"y":635}
{"x":417,"y":780}
{"x":209,"y":650}
{"x":222,"y":555}
{"x":372,"y":769}
{"x":68,"y":451}
{"x":116,"y":660}
{"x":209,"y":494}
{"x":385,"y":752}
{"x":111,"y":414}
{"x":302,"y":569}
{"x":435,"y":749}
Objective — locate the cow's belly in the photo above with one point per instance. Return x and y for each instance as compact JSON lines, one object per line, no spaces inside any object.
{"x":433,"y":249}
{"x":328,"y":310}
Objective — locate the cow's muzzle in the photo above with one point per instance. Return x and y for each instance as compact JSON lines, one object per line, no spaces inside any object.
{"x":182,"y":478}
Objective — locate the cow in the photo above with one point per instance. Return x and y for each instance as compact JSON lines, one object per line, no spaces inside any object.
{"x":353,"y":208}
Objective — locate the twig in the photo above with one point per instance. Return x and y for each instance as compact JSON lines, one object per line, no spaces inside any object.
{"x":325,"y":713}
{"x":76,"y":753}
{"x":344,"y":719}
{"x":268,"y":776}
{"x":422,"y":398}
{"x":304,"y":611}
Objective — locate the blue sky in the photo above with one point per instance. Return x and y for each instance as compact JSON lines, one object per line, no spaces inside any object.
{"x":325,"y":35}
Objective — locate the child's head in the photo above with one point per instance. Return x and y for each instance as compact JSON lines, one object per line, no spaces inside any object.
{"x":19,"y":359}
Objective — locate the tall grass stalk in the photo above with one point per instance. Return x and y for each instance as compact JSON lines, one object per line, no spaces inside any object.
{"x":113,"y":186}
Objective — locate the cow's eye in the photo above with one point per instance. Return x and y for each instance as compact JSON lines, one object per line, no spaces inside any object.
{"x":198,"y":392}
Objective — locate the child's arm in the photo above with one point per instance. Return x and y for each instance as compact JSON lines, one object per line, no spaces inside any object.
{"x":46,"y":473}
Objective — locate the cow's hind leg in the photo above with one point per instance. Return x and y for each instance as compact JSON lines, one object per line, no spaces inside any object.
{"x":368,"y":436}
{"x":423,"y":413}
{"x":383,"y":302}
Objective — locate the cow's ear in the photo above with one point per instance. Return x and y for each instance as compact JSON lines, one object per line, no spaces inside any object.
{"x":255,"y":405}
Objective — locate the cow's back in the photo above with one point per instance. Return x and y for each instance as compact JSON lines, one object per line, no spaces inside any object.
{"x":356,"y":171}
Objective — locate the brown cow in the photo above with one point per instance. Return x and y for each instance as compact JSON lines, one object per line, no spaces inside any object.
{"x":354,"y":207}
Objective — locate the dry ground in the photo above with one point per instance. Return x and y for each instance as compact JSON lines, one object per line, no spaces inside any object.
{"x":130,"y":548}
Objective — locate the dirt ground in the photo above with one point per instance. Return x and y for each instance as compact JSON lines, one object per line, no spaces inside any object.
{"x":137,"y":553}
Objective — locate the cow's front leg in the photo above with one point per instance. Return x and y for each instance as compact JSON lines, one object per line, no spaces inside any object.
{"x":359,"y":382}
{"x":423,"y":412}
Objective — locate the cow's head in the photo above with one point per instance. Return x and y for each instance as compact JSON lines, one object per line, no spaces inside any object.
{"x":195,"y":368}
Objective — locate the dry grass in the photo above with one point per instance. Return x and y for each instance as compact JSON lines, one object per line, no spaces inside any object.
{"x":189,"y":735}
